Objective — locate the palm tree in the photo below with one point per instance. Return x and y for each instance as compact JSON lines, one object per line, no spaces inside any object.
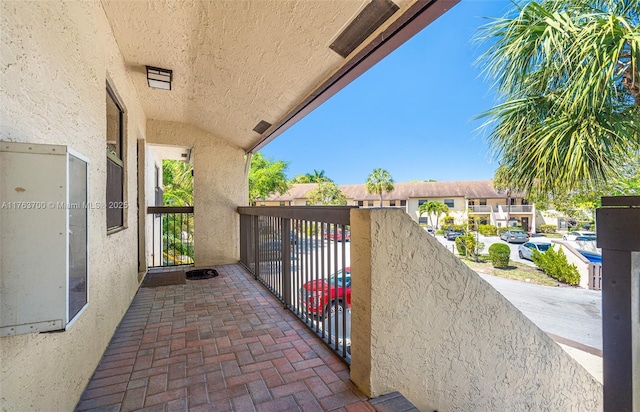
{"x":318,"y":176}
{"x":422,"y":209}
{"x":379,"y":181}
{"x":567,"y":75}
{"x":436,"y":208}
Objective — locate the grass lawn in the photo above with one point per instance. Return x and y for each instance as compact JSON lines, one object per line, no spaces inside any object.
{"x":515,"y":271}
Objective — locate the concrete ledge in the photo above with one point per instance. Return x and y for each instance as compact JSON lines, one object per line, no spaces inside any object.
{"x":393,"y":402}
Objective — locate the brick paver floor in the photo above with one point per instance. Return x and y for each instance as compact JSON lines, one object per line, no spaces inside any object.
{"x":221,"y":344}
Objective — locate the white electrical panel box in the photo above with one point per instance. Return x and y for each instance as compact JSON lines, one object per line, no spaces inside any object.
{"x":43,"y":237}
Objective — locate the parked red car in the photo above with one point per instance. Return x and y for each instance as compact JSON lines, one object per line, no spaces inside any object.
{"x":318,"y":296}
{"x":333,"y":236}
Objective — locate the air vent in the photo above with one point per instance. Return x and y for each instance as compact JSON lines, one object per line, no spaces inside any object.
{"x":262,"y":127}
{"x":365,"y":23}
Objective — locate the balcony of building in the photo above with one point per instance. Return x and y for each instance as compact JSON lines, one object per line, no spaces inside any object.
{"x":420,"y":322}
{"x":313,"y":322}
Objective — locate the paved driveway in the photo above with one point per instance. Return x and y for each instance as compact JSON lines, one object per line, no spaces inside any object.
{"x":571,"y":313}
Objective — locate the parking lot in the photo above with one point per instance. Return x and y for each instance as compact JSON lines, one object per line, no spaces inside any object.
{"x":488,"y":241}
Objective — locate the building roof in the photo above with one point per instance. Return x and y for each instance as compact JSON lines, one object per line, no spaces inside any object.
{"x":470,"y":189}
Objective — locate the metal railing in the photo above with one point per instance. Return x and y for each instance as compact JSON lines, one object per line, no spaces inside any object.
{"x":516,"y":208}
{"x":595,"y":276}
{"x":481,"y":209}
{"x":171,"y":236}
{"x":302,"y":255}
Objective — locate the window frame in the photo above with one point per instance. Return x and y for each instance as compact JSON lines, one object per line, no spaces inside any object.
{"x":118,"y":159}
{"x":451,"y":203}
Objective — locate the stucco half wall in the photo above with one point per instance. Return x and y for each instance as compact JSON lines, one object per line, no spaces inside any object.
{"x":219,"y":187}
{"x":426,"y":325}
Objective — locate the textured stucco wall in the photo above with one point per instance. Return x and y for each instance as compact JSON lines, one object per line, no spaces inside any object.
{"x":219,"y":187}
{"x":444,"y":337}
{"x":55,"y":59}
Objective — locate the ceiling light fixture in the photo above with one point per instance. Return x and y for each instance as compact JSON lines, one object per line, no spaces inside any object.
{"x":159,"y":78}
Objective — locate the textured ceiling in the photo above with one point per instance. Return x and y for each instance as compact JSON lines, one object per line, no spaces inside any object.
{"x":234,"y":62}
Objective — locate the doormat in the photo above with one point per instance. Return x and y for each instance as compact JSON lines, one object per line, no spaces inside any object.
{"x":156,"y":279}
{"x":198,"y":274}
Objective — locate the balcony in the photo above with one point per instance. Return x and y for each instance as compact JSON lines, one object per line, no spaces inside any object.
{"x":404,"y":324}
{"x":516,"y":208}
{"x":481,"y":209}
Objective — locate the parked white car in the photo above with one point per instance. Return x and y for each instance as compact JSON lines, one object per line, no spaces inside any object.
{"x":525,"y":250}
{"x":578,"y":233}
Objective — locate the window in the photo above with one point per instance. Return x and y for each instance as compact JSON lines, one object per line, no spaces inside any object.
{"x":115,"y":163}
{"x":449,"y":202}
{"x":472,"y":202}
{"x":403,"y":203}
{"x":360,"y":203}
{"x":370,"y":203}
{"x":282,"y":204}
{"x":483,"y":202}
{"x":423,"y":220}
{"x":421,"y":202}
{"x":392,"y":202}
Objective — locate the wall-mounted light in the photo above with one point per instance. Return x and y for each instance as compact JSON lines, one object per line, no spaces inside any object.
{"x":159,"y":78}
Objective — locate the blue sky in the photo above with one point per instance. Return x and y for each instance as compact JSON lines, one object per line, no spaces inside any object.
{"x":411,"y":114}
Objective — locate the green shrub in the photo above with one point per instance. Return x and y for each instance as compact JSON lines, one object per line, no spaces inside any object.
{"x":447,"y":222}
{"x":462,"y":242}
{"x":554,"y":264}
{"x":440,"y":232}
{"x":460,"y":228}
{"x":467,"y":245}
{"x":488,"y":230}
{"x":548,"y":228}
{"x":499,"y":254}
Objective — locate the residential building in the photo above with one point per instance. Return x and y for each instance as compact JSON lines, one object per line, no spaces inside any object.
{"x":465,"y":199}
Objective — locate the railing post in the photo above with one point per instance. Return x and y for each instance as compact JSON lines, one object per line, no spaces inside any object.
{"x":256,"y":244}
{"x":286,"y":262}
{"x":618,"y":229}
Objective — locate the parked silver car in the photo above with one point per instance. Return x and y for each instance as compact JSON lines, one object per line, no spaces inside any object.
{"x":525,"y":250}
{"x":514,"y":236}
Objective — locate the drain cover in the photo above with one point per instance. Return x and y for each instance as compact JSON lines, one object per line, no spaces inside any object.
{"x":201,"y":274}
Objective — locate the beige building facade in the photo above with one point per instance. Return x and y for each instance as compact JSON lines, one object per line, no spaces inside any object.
{"x":465,"y":200}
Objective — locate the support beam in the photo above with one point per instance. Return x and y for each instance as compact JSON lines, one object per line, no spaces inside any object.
{"x":619,"y":238}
